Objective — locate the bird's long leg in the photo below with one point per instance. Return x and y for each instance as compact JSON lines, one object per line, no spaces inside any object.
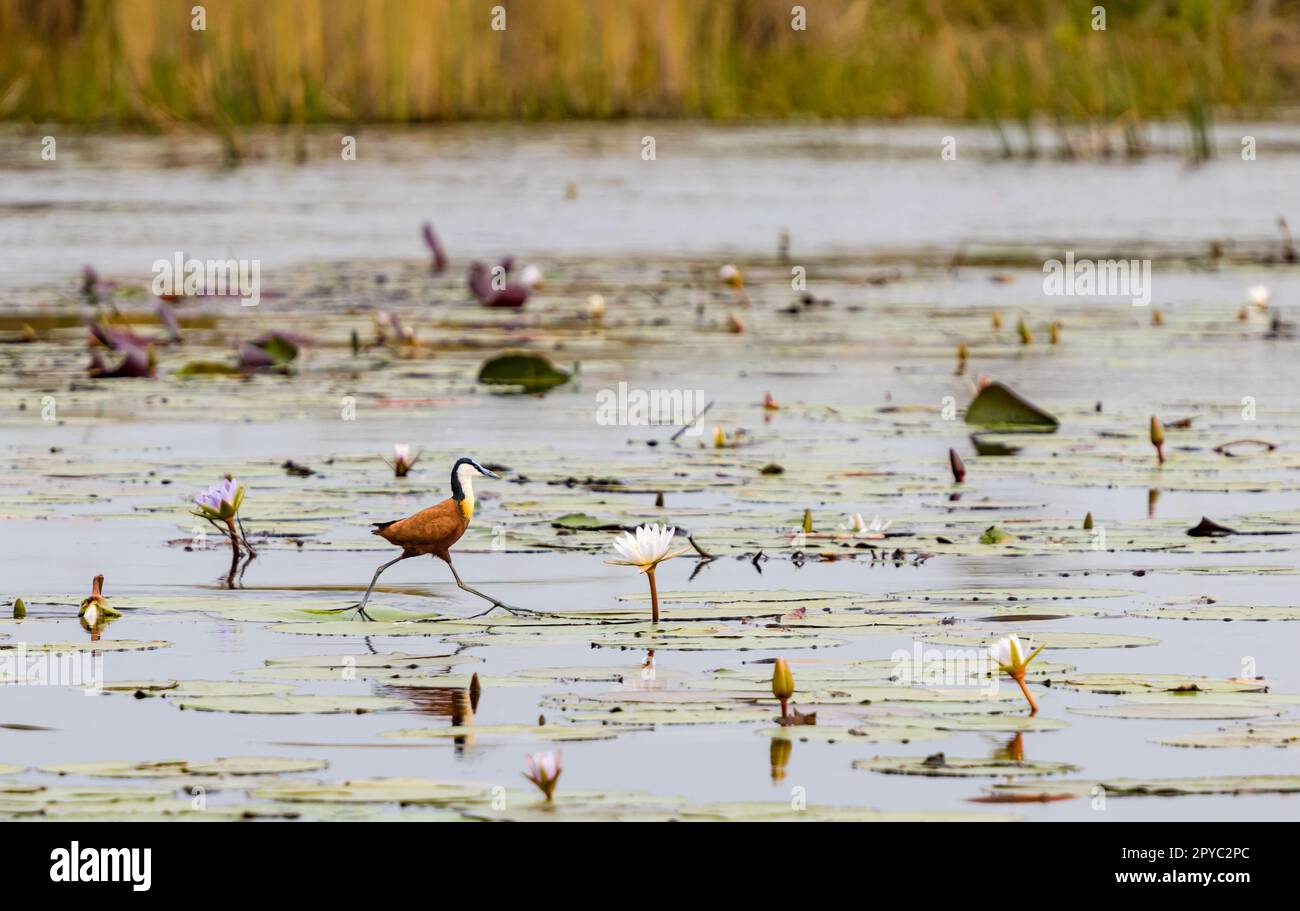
{"x":495,"y":602}
{"x":361,"y":607}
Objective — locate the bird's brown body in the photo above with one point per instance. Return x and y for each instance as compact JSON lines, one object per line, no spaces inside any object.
{"x":430,"y":531}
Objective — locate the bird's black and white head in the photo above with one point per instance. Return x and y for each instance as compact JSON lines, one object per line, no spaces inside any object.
{"x":462,"y":482}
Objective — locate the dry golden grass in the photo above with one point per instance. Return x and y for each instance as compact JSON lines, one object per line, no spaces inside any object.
{"x":139,"y":62}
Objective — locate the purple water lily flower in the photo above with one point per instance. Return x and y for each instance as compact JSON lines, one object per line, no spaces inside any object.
{"x":220,"y":501}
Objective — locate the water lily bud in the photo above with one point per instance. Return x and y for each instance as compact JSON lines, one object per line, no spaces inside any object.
{"x":20,"y":609}
{"x":782,"y":680}
{"x":596,"y":306}
{"x":1087,"y":522}
{"x":1022,"y":329}
{"x":719,"y":438}
{"x":1157,"y":317}
{"x":1158,"y":438}
{"x":731,"y":275}
{"x":769,"y":403}
{"x":1054,"y":333}
{"x":958,"y":467}
{"x":997,"y":320}
{"x":807,"y":521}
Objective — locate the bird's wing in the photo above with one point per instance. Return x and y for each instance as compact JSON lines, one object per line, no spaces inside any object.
{"x":442,"y":523}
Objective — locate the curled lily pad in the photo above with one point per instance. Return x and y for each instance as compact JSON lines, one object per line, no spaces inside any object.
{"x":998,"y":406}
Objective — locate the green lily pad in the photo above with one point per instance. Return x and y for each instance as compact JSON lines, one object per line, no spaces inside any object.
{"x":529,"y":372}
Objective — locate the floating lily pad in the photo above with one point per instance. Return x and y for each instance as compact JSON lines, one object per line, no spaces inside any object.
{"x":940,"y":766}
{"x":1272,"y":734}
{"x":1177,"y":711}
{"x":529,"y":372}
{"x":293,"y":705}
{"x":372,"y":790}
{"x":1116,"y":684}
{"x":167,"y":768}
{"x":555,"y":732}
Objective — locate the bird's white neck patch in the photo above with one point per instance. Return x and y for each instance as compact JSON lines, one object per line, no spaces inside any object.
{"x":465,"y":474}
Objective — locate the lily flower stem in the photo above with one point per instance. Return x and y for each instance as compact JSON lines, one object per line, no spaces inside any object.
{"x":1020,"y":679}
{"x":244,"y":537}
{"x":654,"y":596}
{"x":784,"y":710}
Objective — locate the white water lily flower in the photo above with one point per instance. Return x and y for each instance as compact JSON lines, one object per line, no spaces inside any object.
{"x":1258,"y":295}
{"x":1010,"y":654}
{"x":649,"y":546}
{"x":531,"y":277}
{"x":876,"y":529}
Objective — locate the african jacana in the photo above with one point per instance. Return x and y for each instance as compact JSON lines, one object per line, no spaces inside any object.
{"x":434,"y":530}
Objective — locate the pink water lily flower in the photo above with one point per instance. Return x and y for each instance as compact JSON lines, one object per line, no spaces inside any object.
{"x":544,"y":771}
